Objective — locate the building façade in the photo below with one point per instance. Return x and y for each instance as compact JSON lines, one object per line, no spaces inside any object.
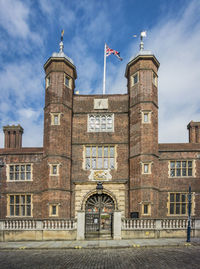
{"x":111,"y":140}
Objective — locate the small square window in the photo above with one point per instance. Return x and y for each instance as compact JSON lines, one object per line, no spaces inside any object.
{"x":155,"y":79}
{"x":146,"y":207}
{"x":66,"y":81}
{"x":48,"y":81}
{"x":53,"y":210}
{"x":146,"y":168}
{"x":54,"y":169}
{"x":55,"y":118}
{"x":135,"y":78}
{"x":146,"y":116}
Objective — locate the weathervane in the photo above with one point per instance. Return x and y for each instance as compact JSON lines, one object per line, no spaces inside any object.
{"x":61,"y":41}
{"x":142,"y":35}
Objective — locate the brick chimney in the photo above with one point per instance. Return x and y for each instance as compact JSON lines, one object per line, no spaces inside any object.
{"x":13,"y":136}
{"x":194,"y":132}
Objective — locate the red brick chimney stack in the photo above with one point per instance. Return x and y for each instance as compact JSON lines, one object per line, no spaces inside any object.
{"x":194,"y":132}
{"x":13,"y":136}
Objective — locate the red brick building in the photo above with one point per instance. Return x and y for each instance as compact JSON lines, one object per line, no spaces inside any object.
{"x":112,"y":139}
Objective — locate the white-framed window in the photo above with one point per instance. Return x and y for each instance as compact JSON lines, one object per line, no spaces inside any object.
{"x":146,"y":167}
{"x":99,"y":157}
{"x":100,"y":122}
{"x":146,"y":116}
{"x":146,"y":208}
{"x":53,"y":210}
{"x":19,"y":172}
{"x":19,"y":205}
{"x":54,"y":169}
{"x":155,"y":79}
{"x":48,"y":81}
{"x":135,"y":78}
{"x":181,"y":168}
{"x":67,"y":81}
{"x":178,"y":203}
{"x":55,"y":118}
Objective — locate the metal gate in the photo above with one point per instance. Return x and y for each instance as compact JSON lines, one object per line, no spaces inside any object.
{"x":98,"y":216}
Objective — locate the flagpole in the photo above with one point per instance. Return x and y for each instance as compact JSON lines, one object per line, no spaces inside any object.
{"x":104,"y":71}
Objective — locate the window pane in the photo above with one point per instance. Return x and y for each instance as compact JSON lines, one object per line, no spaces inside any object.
{"x":178,"y":164}
{"x":171,"y":208}
{"x":171,"y":197}
{"x":105,"y":163}
{"x":11,"y":210}
{"x":93,"y":163}
{"x":16,"y":167}
{"x":145,"y":209}
{"x":184,"y":172}
{"x":17,"y":210}
{"x":146,"y":168}
{"x":87,"y":151}
{"x":56,"y":119}
{"x":87,"y":163}
{"x":53,"y":210}
{"x":11,"y":168}
{"x":178,"y":197}
{"x":100,"y":163}
{"x":112,"y":151}
{"x":184,"y":164}
{"x":17,"y":199}
{"x":23,"y":210}
{"x":28,"y":175}
{"x":54,"y":169}
{"x":28,"y":210}
{"x":28,"y":167}
{"x":93,"y":151}
{"x":112,"y":163}
{"x":177,"y":208}
{"x":146,"y":118}
{"x":190,"y":172}
{"x":105,"y":151}
{"x":12,"y":199}
{"x":135,"y":78}
{"x":22,"y":175}
{"x":99,"y":151}
{"x":183,"y":196}
{"x":172,"y":164}
{"x":22,"y":167}
{"x":172,"y":173}
{"x":178,"y":172}
{"x":67,"y":81}
{"x":22,"y":199}
{"x":28,"y":199}
{"x":11,"y":176}
{"x":189,"y":163}
{"x":183,"y":209}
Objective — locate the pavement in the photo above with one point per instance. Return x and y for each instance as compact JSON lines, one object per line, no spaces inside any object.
{"x":95,"y":244}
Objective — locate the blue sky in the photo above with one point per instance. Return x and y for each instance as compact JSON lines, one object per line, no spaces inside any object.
{"x":30,"y":33}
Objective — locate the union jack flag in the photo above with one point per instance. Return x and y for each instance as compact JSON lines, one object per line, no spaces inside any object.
{"x":114,"y":52}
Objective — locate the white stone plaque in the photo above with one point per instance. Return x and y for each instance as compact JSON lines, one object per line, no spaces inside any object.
{"x":100,"y":175}
{"x":100,"y":103}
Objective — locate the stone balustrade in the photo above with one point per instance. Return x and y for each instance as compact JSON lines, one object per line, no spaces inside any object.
{"x":148,"y":224}
{"x":38,"y":224}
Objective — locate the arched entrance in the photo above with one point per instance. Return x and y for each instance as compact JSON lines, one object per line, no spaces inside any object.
{"x":98,"y":216}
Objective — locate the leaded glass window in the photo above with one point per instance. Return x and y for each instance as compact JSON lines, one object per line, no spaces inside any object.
{"x":100,"y":157}
{"x":181,"y":168}
{"x":101,"y":123}
{"x":20,"y":172}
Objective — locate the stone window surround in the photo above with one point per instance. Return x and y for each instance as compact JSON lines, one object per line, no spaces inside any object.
{"x":70,"y":80}
{"x":148,"y":112}
{"x":53,"y":114}
{"x":149,"y":208}
{"x":132,"y":78}
{"x":51,"y":166}
{"x":143,"y":164}
{"x":20,"y":180}
{"x":182,"y":160}
{"x":101,"y":115}
{"x":186,"y":202}
{"x":97,"y":145}
{"x":155,"y":79}
{"x":20,"y":204}
{"x":51,"y":205}
{"x":48,"y":81}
